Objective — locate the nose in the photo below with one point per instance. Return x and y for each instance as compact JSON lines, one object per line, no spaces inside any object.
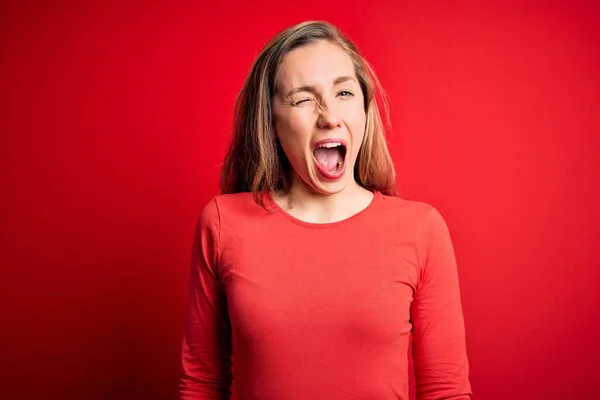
{"x":329,"y":118}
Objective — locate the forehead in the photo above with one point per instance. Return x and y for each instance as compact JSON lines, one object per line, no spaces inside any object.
{"x":315,"y":64}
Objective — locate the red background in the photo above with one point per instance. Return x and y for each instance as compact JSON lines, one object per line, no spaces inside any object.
{"x":115,"y":118}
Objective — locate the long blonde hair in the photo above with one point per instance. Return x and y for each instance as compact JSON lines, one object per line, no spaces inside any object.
{"x":256,"y":163}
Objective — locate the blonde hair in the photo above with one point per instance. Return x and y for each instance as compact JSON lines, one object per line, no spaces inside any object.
{"x":256,"y":163}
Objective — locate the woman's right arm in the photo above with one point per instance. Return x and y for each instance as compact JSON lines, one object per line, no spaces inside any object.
{"x":206,"y":348}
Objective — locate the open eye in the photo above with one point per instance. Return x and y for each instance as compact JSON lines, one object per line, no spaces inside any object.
{"x":345,"y":93}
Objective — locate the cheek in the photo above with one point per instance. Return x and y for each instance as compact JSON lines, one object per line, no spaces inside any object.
{"x":292,"y":138}
{"x":358,"y":124}
{"x":294,"y":130}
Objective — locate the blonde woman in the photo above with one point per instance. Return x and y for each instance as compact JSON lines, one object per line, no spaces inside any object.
{"x":309,"y":274}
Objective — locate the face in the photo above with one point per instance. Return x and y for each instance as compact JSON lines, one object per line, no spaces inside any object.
{"x":319,"y":116}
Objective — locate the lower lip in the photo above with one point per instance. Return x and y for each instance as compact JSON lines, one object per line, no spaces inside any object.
{"x":328,"y":175}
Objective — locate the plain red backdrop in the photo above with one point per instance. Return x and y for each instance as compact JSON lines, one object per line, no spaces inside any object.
{"x":115,"y":118}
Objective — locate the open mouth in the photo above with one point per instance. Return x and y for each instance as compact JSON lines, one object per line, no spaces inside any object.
{"x":330,"y":157}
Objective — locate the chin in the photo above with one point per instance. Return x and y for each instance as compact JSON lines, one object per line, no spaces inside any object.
{"x":326,"y":186}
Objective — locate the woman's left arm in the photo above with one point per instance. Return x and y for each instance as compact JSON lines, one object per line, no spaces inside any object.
{"x":439,"y":345}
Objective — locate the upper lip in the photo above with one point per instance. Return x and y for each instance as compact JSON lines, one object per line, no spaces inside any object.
{"x":331,"y":140}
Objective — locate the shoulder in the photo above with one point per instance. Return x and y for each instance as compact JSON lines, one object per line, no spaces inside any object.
{"x":415,"y":211}
{"x":423,"y":219}
{"x":234,"y":201}
{"x":234,"y":207}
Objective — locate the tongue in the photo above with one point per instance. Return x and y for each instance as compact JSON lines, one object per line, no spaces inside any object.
{"x":329,"y":158}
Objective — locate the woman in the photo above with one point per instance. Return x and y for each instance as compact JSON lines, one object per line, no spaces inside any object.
{"x":309,"y":274}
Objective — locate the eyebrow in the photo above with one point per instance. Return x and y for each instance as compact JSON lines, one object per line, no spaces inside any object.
{"x":312,"y":89}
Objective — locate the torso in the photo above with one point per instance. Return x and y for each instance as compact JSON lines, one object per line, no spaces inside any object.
{"x":322,"y":303}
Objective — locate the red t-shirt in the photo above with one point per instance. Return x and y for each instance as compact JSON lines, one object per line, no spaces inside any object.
{"x":309,"y":311}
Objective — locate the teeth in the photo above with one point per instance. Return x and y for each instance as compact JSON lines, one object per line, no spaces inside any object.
{"x":330,"y":145}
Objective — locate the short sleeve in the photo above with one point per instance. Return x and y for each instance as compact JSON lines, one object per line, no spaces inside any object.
{"x":206,"y":348}
{"x":439,"y":346}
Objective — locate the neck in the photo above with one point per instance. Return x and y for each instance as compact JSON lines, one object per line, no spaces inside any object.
{"x":307,"y":205}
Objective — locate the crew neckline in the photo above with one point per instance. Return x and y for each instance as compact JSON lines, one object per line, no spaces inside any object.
{"x":317,"y":225}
